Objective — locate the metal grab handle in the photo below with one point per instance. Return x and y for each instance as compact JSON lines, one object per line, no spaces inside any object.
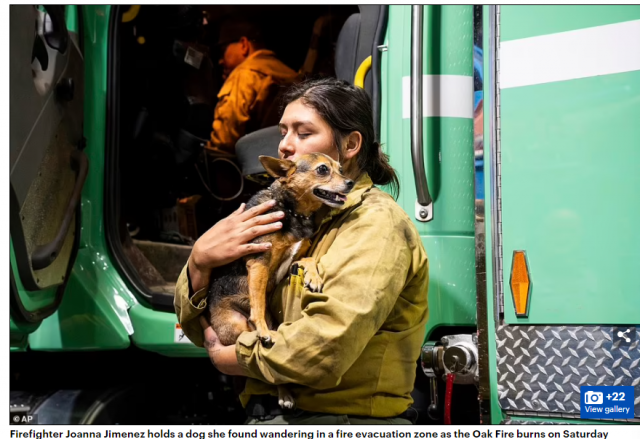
{"x":44,"y":255}
{"x":424,"y":203}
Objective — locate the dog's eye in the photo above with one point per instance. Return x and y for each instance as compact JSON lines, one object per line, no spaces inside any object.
{"x":322,"y":170}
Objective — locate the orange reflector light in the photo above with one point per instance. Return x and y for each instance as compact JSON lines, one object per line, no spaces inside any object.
{"x":520,"y":283}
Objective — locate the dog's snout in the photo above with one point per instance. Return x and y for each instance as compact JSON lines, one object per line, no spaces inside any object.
{"x":349,"y":184}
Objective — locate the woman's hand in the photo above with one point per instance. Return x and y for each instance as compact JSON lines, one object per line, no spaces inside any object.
{"x":229,"y":239}
{"x":223,"y":357}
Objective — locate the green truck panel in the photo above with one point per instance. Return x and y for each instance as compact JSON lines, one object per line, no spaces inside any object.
{"x":570,"y":153}
{"x":561,"y":152}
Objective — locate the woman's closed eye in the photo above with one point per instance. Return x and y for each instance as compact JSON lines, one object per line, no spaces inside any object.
{"x":303,"y":135}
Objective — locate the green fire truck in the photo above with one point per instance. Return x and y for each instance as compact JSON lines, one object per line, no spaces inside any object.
{"x":525,"y":197}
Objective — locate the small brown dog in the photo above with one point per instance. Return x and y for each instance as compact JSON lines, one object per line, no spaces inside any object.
{"x":239,"y":292}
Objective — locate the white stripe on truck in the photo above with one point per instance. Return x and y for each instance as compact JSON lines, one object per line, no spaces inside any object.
{"x":442,"y":96}
{"x":584,"y":53}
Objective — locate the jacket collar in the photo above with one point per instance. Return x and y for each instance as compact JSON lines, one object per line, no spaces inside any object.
{"x":261,"y":52}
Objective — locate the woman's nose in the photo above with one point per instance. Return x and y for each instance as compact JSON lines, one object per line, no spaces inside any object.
{"x":285,"y":147}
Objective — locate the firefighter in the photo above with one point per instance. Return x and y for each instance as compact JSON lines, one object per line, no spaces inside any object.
{"x":350,"y":351}
{"x":253,"y":76}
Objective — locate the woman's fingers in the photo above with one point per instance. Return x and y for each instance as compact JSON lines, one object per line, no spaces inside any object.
{"x":223,"y":243}
{"x":211,"y":340}
{"x":248,"y":249}
{"x":254,"y":232}
{"x":260,"y":220}
{"x":239,"y":210}
{"x":257,"y":210}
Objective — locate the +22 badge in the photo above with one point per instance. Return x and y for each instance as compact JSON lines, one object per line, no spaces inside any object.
{"x":606,"y":402}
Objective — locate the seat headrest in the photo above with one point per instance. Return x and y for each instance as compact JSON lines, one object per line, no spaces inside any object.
{"x":347,"y":49}
{"x":356,"y":43}
{"x":253,"y":145}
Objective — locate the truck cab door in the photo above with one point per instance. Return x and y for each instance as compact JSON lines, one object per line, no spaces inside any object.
{"x":561,"y":144}
{"x":47,"y":166}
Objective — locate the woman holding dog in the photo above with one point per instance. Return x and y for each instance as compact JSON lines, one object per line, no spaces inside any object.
{"x":347,"y":354}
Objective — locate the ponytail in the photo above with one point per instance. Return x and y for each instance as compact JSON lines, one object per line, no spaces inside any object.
{"x":375,"y":162}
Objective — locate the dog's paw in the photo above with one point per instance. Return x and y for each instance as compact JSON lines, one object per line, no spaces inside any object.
{"x":312,"y":280}
{"x":311,"y":277}
{"x":286,"y":402}
{"x":266,"y":340}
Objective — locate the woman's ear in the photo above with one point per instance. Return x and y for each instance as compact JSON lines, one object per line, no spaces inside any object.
{"x":352,"y":145}
{"x":245,"y":46}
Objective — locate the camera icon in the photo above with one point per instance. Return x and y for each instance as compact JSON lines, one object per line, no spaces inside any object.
{"x":592,"y":397}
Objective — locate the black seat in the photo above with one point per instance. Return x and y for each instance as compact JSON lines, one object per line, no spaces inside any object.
{"x":356,"y":42}
{"x":252,"y":146}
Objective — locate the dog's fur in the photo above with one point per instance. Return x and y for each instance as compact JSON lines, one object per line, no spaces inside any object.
{"x":239,"y":292}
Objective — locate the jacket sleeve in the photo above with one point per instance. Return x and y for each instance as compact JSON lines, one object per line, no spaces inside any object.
{"x":235,"y":102}
{"x":188,"y":308}
{"x":364,"y":272}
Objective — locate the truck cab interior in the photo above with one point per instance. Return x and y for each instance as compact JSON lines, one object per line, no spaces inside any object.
{"x":163,"y":191}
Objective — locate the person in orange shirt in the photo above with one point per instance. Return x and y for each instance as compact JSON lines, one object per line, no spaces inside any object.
{"x":253,"y":77}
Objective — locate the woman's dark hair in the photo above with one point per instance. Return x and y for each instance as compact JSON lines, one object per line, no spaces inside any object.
{"x":347,"y":108}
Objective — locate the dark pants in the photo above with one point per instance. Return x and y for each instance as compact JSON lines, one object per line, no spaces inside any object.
{"x":264,"y":410}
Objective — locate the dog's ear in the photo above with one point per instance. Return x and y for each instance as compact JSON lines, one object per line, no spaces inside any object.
{"x":277,"y":168}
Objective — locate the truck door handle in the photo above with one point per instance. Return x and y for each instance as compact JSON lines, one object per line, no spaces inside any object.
{"x":424,"y":203}
{"x":44,"y":255}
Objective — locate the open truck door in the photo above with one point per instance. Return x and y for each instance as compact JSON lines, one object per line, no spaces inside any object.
{"x":47,"y":165}
{"x":561,"y":143}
